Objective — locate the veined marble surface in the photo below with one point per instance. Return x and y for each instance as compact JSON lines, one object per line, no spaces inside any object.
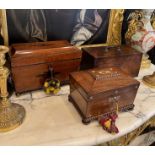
{"x":53,"y":120}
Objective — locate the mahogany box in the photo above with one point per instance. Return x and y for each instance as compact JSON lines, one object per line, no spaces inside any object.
{"x":98,"y":92}
{"x":124,"y":57}
{"x":32,"y":62}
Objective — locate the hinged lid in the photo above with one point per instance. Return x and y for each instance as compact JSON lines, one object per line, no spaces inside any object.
{"x":100,"y":80}
{"x":110,"y":51}
{"x":24,"y":54}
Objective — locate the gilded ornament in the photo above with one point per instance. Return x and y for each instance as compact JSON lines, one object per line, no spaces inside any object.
{"x":115,"y":27}
{"x":11,"y":114}
{"x":153,"y":19}
{"x":134,"y":24}
{"x":140,"y":34}
{"x":4,"y":26}
{"x":149,"y":80}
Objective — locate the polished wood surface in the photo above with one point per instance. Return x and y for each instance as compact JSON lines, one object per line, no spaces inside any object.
{"x":97,"y":92}
{"x":32,"y":62}
{"x":42,"y":52}
{"x":124,"y":57}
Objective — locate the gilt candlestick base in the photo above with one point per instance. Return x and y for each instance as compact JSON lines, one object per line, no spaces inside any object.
{"x":149,"y":80}
{"x":11,"y":114}
{"x":146,"y":63}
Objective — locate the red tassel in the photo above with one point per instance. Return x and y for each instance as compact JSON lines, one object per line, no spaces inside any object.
{"x":108,"y":123}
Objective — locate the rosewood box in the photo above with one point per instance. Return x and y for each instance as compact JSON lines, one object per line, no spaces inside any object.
{"x":31,"y":62}
{"x":124,"y":57}
{"x":99,"y":92}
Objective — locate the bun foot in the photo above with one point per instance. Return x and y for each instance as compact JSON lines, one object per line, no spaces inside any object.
{"x":70,"y":99}
{"x":17,"y":94}
{"x":86,"y":121}
{"x":131,"y":108}
{"x":128,"y":108}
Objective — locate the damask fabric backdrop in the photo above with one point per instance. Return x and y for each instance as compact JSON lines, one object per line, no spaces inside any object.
{"x":77,"y":26}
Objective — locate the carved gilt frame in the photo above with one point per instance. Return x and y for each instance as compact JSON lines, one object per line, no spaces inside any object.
{"x":114,"y":28}
{"x":4,"y":27}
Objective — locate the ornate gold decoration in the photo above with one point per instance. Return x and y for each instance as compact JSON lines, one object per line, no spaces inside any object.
{"x":153,"y":20}
{"x":146,"y":63}
{"x":134,"y":25}
{"x":114,"y":30}
{"x":149,"y":80}
{"x":4,"y":27}
{"x":92,"y":45}
{"x":0,"y":21}
{"x":11,"y":114}
{"x":115,"y":27}
{"x":126,"y":139}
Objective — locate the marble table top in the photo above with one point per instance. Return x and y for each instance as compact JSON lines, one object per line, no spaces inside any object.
{"x":53,"y":120}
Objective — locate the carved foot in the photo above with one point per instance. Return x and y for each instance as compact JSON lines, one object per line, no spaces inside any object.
{"x":86,"y":121}
{"x":131,"y":108}
{"x":70,"y":99}
{"x":18,"y":94}
{"x":128,"y":108}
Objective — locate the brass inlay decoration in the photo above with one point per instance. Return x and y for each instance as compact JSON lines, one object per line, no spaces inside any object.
{"x":11,"y":114}
{"x":104,"y":74}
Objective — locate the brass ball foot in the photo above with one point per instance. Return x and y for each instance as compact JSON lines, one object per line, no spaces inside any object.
{"x":11,"y":117}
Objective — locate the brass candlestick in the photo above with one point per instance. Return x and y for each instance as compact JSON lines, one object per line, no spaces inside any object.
{"x":11,"y":114}
{"x":149,"y":80}
{"x":146,"y":63}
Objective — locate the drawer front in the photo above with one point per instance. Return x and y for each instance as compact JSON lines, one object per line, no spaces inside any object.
{"x":32,"y":77}
{"x":109,"y":101}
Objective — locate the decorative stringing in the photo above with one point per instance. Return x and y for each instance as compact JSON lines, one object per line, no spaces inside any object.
{"x":104,"y":74}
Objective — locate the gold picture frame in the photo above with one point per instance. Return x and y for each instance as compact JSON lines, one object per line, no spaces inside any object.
{"x":114,"y":28}
{"x":4,"y":26}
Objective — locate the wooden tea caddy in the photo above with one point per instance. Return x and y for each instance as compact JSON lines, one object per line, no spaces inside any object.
{"x":98,"y":92}
{"x":31,"y":63}
{"x":124,"y":57}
